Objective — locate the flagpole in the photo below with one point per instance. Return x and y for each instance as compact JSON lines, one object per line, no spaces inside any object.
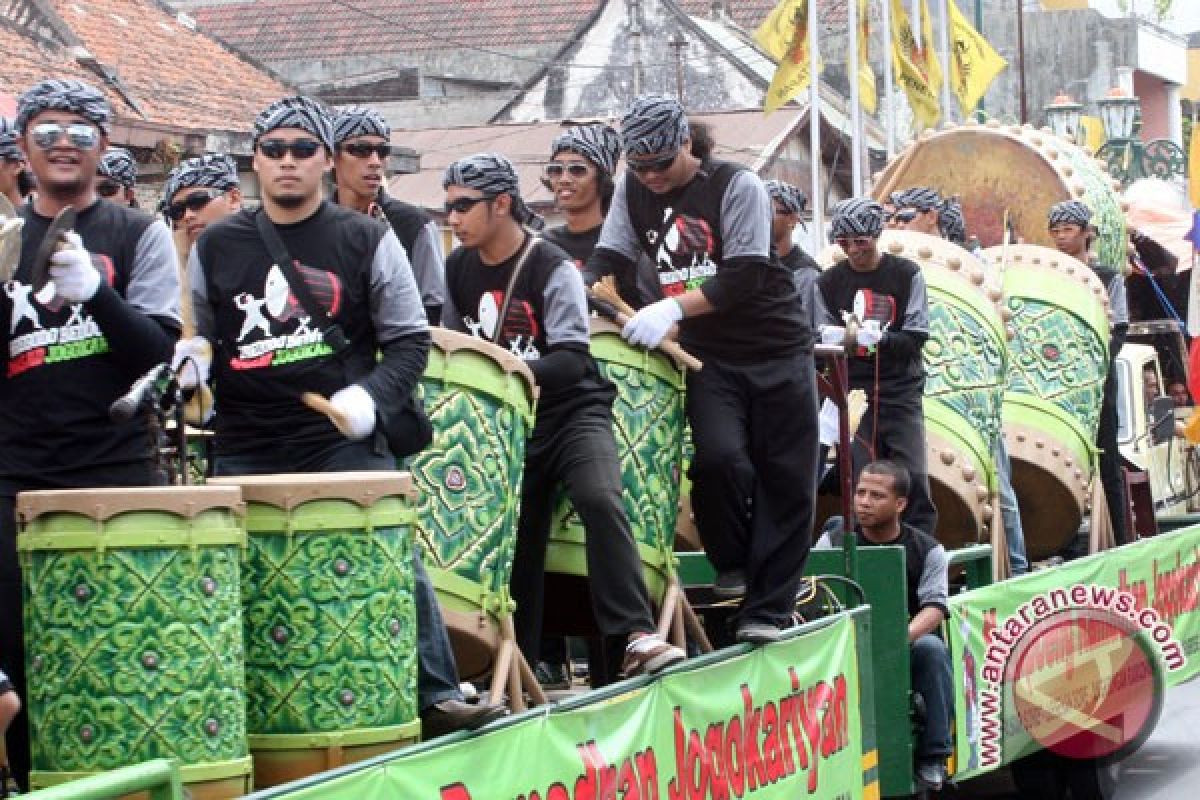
{"x":855,"y":103}
{"x":944,"y":57}
{"x":816,"y":198}
{"x":890,"y":122}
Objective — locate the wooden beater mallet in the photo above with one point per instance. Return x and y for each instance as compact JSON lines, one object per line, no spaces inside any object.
{"x":605,"y":290}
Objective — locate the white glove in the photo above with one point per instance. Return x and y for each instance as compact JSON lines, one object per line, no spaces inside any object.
{"x":648,"y":326}
{"x":832,"y":334}
{"x":357,"y":410}
{"x":869,"y":334}
{"x":192,"y":361}
{"x":827,"y":423}
{"x":76,"y":280}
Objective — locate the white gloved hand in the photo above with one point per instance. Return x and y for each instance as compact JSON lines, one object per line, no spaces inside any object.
{"x":827,"y":423}
{"x":832,"y":334}
{"x":76,"y":280}
{"x":357,"y":410}
{"x":648,"y":326}
{"x":192,"y":361}
{"x":869,"y":334}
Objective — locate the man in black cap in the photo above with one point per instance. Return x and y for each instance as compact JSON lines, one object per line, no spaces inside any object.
{"x":116,"y":177}
{"x":706,"y":224}
{"x":108,"y":314}
{"x":887,"y":295}
{"x":1070,"y":226}
{"x":543,"y":320}
{"x":12,"y":165}
{"x":789,"y":202}
{"x":916,"y":209}
{"x":268,"y":350}
{"x":200,"y":191}
{"x":362,"y":136}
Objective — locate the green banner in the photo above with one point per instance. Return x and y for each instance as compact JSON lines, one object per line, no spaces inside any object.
{"x":781,"y":721}
{"x":1099,"y":613}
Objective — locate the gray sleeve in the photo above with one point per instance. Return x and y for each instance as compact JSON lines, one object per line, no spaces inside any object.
{"x":618,"y":233}
{"x":821,"y":314}
{"x":824,"y":543}
{"x":396,"y":308}
{"x":746,"y":214}
{"x":429,"y":265}
{"x":916,"y":316}
{"x":933,"y":589}
{"x":202,"y":312}
{"x":153,"y":287}
{"x":1117,"y":302}
{"x":565,"y":309}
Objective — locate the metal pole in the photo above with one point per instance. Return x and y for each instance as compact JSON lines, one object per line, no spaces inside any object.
{"x":944,"y":57}
{"x":814,"y":131}
{"x":635,"y":33}
{"x":890,"y":122}
{"x":1021,"y":59}
{"x":855,"y":103}
{"x":677,"y":44}
{"x":979,"y":27}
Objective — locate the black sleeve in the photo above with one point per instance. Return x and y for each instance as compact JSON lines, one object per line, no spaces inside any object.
{"x":434,"y":315}
{"x":402,"y":364}
{"x":737,"y":279}
{"x":562,"y":367}
{"x":901,"y":345}
{"x":603,"y":262}
{"x":137,"y":340}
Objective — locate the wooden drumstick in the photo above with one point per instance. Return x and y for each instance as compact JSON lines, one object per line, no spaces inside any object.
{"x":321,"y":405}
{"x":196,"y":408}
{"x":606,"y":290}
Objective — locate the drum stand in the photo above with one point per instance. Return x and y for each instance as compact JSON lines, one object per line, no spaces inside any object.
{"x":512,"y":673}
{"x":677,"y":620}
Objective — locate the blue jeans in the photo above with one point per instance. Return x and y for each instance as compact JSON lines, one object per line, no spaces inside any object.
{"x":437,"y":674}
{"x":930,"y":664}
{"x":1009,"y":513}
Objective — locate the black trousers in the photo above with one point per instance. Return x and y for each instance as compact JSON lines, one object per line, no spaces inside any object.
{"x":754,"y":475}
{"x":898,"y":434}
{"x":580,"y":453}
{"x":1112,"y":476}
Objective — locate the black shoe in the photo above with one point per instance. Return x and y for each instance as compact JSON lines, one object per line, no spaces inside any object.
{"x":449,"y":716}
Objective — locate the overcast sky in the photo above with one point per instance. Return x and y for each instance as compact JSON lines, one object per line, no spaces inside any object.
{"x":1184,"y":18}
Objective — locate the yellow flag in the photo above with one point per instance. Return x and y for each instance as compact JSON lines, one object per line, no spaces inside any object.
{"x":917,"y":70}
{"x":1194,"y":168}
{"x":784,"y":35}
{"x":866,"y":77}
{"x":974,"y":63}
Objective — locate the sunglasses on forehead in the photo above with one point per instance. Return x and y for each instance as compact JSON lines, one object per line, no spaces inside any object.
{"x":107,"y":188}
{"x":556,"y":169}
{"x":643,"y":165}
{"x":79,"y":134}
{"x":365,"y":149}
{"x":193,"y":202}
{"x":300,"y":149}
{"x":462,"y":205}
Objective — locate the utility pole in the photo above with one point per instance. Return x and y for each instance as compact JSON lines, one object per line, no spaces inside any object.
{"x":677,"y":44}
{"x":635,"y":37}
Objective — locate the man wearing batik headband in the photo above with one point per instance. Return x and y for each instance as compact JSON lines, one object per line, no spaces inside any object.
{"x":916,"y":209}
{"x":360,"y":171}
{"x":543,"y":319}
{"x":268,"y":350}
{"x":886,"y":293}
{"x":116,"y":177}
{"x":789,"y":203}
{"x":951,"y":225}
{"x":200,"y":191}
{"x":12,"y":164}
{"x":706,"y":224}
{"x":109,"y":314}
{"x":1070,"y":226}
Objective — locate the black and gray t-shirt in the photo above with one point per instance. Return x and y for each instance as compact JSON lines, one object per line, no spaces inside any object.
{"x":580,"y":246}
{"x":267,"y":350}
{"x":66,"y":363}
{"x":804,"y":273}
{"x":925,"y":565}
{"x":422,"y":241}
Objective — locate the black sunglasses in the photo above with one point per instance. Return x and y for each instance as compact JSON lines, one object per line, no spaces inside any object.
{"x":905,"y":216}
{"x":300,"y":149}
{"x":463,"y":204}
{"x":107,"y":188}
{"x":79,"y":134}
{"x":858,"y":241}
{"x":193,"y":202}
{"x":652,"y":165}
{"x":364,"y":149}
{"x":555,"y":169}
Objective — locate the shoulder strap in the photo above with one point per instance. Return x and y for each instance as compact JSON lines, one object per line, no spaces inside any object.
{"x":512,"y":282}
{"x":331,"y":332}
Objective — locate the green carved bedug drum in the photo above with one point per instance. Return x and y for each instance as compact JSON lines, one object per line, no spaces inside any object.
{"x":330,"y":620}
{"x":648,"y":422}
{"x":133,"y":633}
{"x":1058,"y":360}
{"x":964,"y":386}
{"x":480,"y":401}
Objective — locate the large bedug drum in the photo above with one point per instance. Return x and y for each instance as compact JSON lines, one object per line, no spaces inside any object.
{"x":648,"y":422}
{"x":480,"y":399}
{"x":1020,"y":170}
{"x":133,"y":632}
{"x":330,"y":620}
{"x":1058,"y":360}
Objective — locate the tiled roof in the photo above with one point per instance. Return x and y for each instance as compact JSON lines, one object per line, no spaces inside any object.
{"x":175,"y":76}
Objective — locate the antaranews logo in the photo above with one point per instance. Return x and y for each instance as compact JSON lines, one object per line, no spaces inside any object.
{"x":1083,"y":668}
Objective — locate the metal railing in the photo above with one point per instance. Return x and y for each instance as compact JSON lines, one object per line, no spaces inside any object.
{"x":159,"y":778}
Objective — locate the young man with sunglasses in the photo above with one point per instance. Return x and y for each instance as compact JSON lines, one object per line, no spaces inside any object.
{"x":12,"y":165}
{"x":887,"y":294}
{"x":267,"y":349}
{"x":199,"y":192}
{"x":361,"y":136}
{"x":916,"y":209}
{"x":108,"y":314}
{"x":542,"y":319}
{"x":788,"y":203}
{"x":706,"y":224}
{"x":116,"y":177}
